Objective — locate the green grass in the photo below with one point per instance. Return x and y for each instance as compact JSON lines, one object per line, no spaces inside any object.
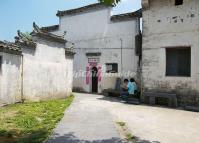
{"x":129,"y":137}
{"x":122,"y":124}
{"x":31,"y":122}
{"x":126,"y":132}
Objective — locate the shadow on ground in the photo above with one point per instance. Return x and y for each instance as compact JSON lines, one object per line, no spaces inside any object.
{"x":71,"y":138}
{"x":138,"y":140}
{"x":109,"y":98}
{"x":13,"y":136}
{"x":118,"y":100}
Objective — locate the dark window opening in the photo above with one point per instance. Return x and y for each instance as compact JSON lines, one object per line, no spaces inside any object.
{"x":178,"y":61}
{"x":178,"y":2}
{"x":112,"y":68}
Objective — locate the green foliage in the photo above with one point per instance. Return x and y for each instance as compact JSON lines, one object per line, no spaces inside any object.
{"x":31,"y":122}
{"x":129,"y":137}
{"x":109,"y":2}
{"x":122,"y":124}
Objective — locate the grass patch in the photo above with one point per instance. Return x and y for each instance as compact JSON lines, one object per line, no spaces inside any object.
{"x":31,"y":122}
{"x":125,"y":133}
{"x":129,"y":137}
{"x":122,"y":124}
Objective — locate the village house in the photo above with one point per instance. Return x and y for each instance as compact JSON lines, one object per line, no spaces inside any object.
{"x":170,"y":48}
{"x":35,"y":68}
{"x":103,"y":43}
{"x":107,"y":47}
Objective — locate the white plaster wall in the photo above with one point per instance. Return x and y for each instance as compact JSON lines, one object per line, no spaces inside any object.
{"x":10,"y":78}
{"x":166,"y":25}
{"x":94,"y":32}
{"x":47,"y":71}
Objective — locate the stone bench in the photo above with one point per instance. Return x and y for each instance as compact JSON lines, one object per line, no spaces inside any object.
{"x":114,"y":93}
{"x":172,"y":99}
{"x":191,"y":108}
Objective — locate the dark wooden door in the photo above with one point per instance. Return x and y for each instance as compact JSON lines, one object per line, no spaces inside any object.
{"x":94,"y":80}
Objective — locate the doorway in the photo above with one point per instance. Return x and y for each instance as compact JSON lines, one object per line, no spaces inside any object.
{"x":94,"y":80}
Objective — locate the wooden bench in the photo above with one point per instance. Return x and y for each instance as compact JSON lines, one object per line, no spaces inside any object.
{"x":172,"y":99}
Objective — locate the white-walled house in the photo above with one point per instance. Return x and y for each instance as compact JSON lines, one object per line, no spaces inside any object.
{"x":10,"y":73}
{"x":103,"y":43}
{"x":47,"y":67}
{"x":36,"y":68}
{"x":170,"y":48}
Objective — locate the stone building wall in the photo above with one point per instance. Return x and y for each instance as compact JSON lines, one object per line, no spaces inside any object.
{"x":47,"y":71}
{"x":93,"y":31}
{"x":10,"y":78}
{"x":167,"y":25}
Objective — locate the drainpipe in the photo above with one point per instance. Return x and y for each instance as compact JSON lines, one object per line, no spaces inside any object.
{"x":140,"y":62}
{"x":121,"y":54}
{"x":22,"y":96}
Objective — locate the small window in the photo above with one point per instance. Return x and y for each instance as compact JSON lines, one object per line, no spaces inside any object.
{"x":1,"y":64}
{"x":111,"y":67}
{"x":178,"y":61}
{"x":178,"y":2}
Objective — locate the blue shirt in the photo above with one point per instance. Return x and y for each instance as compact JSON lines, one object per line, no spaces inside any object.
{"x":131,"y":88}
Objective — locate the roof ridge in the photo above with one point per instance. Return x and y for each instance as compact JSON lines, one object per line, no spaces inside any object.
{"x":50,"y":28}
{"x":127,"y":16}
{"x":139,"y":10}
{"x":9,"y":47}
{"x":81,"y":9}
{"x":37,"y":31}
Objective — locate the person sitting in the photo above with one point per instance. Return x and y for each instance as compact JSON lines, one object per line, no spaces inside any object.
{"x":132,"y":87}
{"x":124,"y":92}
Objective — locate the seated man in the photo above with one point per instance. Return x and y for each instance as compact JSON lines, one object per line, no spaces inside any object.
{"x":132,"y":87}
{"x":124,"y":92}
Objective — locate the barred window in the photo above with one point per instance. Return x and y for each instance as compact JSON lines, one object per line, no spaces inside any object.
{"x":111,"y":67}
{"x":178,"y":61}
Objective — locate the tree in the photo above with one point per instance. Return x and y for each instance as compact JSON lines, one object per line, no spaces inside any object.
{"x":109,"y":2}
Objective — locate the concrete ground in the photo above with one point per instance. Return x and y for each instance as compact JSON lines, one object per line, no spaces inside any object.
{"x":85,"y":122}
{"x":91,"y":118}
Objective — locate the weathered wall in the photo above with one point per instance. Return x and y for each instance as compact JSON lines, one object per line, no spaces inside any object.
{"x":166,"y":25}
{"x":10,"y":78}
{"x":93,"y":32}
{"x":47,"y":71}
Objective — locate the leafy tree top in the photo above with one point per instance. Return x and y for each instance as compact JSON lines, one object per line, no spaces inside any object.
{"x":110,"y":2}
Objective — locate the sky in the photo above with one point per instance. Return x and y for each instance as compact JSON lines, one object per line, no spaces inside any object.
{"x":20,"y":14}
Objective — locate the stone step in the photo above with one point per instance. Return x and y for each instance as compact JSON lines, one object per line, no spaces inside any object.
{"x":192,"y":108}
{"x":133,"y":101}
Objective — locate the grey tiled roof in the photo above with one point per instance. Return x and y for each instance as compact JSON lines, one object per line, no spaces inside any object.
{"x":50,"y":28}
{"x":22,"y":39}
{"x":91,"y":7}
{"x":69,"y":51}
{"x":44,"y":34}
{"x":9,"y":47}
{"x":127,"y":16}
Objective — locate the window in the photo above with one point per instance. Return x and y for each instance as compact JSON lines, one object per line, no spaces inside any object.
{"x":1,"y":64}
{"x":178,"y":61}
{"x":112,"y":68}
{"x":178,"y":2}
